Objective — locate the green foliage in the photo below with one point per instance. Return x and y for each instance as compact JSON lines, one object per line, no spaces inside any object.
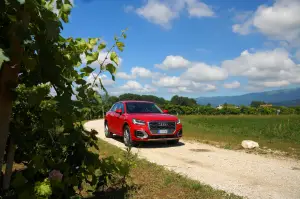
{"x":183,"y":101}
{"x":43,"y":189}
{"x":174,"y":107}
{"x":2,"y":57}
{"x":46,"y":128}
{"x":256,"y":104}
{"x":152,"y":98}
{"x":114,"y":57}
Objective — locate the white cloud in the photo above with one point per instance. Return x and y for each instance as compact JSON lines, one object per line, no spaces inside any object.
{"x":203,"y":72}
{"x":135,"y":72}
{"x":135,"y":87}
{"x":270,"y":84}
{"x":141,"y":72}
{"x":103,"y":55}
{"x":158,"y":13}
{"x":196,"y":71}
{"x":181,"y":89}
{"x":194,"y":88}
{"x":131,"y":85}
{"x":243,"y":29}
{"x":280,"y":21}
{"x":106,"y":81}
{"x":178,"y":85}
{"x":148,"y":89}
{"x":173,"y":62}
{"x":165,"y":11}
{"x":203,"y":87}
{"x":266,"y":68}
{"x":101,"y":59}
{"x":123,"y":75}
{"x":171,"y":82}
{"x":194,"y":79}
{"x":199,"y":9}
{"x":231,"y":85}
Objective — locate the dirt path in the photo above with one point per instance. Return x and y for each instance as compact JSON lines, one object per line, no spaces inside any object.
{"x":243,"y":174}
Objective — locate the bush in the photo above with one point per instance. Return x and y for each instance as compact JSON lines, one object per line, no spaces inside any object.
{"x":59,"y":161}
{"x":245,"y":110}
{"x":43,"y":133}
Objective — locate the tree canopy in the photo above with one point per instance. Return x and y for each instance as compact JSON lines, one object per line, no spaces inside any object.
{"x":183,"y":101}
{"x":257,"y":103}
{"x":152,"y":98}
{"x":44,"y":133}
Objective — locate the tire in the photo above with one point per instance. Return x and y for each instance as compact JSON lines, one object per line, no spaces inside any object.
{"x":127,"y":137}
{"x":173,"y":142}
{"x":107,"y":133}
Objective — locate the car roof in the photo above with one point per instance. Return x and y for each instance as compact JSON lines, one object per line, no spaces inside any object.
{"x":126,"y":101}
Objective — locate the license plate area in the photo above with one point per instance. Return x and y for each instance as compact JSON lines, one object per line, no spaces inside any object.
{"x":163,"y":131}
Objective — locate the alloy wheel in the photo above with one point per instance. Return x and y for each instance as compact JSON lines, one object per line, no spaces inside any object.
{"x":106,"y":131}
{"x":126,"y":137}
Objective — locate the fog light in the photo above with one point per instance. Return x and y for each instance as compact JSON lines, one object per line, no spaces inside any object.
{"x":141,"y":134}
{"x":179,"y":134}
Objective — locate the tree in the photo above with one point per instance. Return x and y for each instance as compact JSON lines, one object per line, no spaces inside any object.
{"x":256,"y":104}
{"x":130,"y":96}
{"x":183,"y":101}
{"x":35,"y":58}
{"x":112,"y":100}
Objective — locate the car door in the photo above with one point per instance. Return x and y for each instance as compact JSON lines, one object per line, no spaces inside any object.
{"x":111,"y":118}
{"x":119,"y":119}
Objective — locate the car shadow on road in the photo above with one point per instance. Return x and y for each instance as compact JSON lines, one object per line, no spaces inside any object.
{"x":158,"y":144}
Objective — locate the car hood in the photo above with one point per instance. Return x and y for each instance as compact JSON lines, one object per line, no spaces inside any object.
{"x":153,"y":116}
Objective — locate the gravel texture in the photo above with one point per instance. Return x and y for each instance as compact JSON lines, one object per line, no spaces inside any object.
{"x":248,"y":175}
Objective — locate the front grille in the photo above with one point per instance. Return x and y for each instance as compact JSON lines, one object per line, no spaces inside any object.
{"x":156,"y":126}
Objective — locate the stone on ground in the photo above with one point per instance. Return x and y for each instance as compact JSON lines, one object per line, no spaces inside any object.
{"x":249,"y":144}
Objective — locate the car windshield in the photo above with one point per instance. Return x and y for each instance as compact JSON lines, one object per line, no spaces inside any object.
{"x":142,"y":107}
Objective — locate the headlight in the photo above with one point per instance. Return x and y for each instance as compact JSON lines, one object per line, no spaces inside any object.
{"x":178,"y":121}
{"x":138,"y":122}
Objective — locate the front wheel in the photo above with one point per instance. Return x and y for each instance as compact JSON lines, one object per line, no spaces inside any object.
{"x":106,"y":130}
{"x":127,"y":137}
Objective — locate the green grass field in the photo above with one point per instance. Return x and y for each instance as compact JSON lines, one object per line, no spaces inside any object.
{"x":275,"y":132}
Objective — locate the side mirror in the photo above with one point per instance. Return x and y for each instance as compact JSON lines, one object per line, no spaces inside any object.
{"x":165,"y":111}
{"x":119,"y":111}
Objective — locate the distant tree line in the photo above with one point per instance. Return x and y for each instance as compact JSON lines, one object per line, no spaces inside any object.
{"x":179,"y":105}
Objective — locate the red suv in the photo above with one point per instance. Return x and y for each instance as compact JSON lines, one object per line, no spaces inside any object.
{"x":141,"y":121}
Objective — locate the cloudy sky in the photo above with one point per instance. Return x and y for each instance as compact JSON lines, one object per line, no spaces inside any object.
{"x":195,"y":47}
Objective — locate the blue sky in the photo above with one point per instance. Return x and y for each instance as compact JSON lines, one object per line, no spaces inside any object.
{"x":196,"y":48}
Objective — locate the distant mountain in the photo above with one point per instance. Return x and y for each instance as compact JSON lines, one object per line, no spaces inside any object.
{"x":295,"y":102}
{"x":284,"y":96}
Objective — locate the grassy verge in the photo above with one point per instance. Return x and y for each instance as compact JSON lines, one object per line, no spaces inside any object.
{"x":274,"y":132}
{"x":153,"y":181}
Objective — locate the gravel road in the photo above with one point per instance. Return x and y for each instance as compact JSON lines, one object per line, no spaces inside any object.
{"x":248,"y":175}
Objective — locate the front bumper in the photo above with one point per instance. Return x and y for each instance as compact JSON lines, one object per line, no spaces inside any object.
{"x":143,"y":133}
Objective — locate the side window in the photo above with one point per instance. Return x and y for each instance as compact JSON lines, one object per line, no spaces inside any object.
{"x":114,"y":107}
{"x":122,"y":107}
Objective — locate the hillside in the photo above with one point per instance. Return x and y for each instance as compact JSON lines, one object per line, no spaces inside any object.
{"x":282,"y":97}
{"x":288,"y":103}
